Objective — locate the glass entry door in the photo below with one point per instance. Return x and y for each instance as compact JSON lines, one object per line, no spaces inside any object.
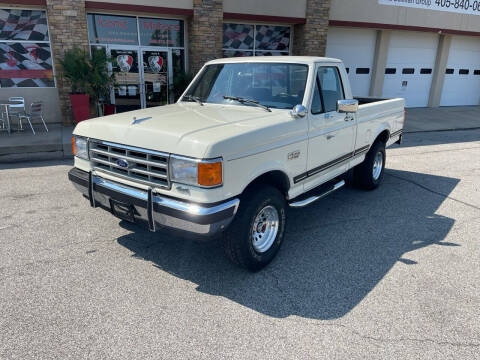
{"x":156,"y":77}
{"x":144,"y":77}
{"x":127,"y":92}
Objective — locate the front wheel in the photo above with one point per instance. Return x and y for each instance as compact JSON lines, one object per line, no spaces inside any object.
{"x":369,"y":174}
{"x":257,"y":232}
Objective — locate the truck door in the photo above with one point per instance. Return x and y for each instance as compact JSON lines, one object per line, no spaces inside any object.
{"x":331,"y":134}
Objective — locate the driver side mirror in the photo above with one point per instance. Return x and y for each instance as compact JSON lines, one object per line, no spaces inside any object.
{"x":299,"y":111}
{"x":347,"y":106}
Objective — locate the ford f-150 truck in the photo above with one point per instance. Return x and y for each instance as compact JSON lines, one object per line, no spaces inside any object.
{"x":249,"y":138}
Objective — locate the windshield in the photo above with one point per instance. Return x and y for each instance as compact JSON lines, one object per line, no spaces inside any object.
{"x":276,"y":85}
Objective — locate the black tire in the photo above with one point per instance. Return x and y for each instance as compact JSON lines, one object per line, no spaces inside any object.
{"x":363,"y":174}
{"x":238,"y":241}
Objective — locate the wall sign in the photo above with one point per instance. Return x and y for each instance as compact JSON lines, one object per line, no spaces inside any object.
{"x":471,"y":7}
{"x":161,"y":32}
{"x":110,"y":29}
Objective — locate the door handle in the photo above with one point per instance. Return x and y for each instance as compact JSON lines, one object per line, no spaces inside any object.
{"x":349,"y":118}
{"x":330,"y":136}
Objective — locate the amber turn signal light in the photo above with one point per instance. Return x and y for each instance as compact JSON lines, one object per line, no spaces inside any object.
{"x":73,"y":145}
{"x":210,"y":174}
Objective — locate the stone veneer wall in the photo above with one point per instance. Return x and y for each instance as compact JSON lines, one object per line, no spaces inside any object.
{"x":205,"y":30}
{"x":68,"y":29}
{"x":311,"y":38}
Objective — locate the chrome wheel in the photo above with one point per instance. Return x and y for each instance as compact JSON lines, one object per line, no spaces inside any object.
{"x":265,"y":229}
{"x":377,"y":165}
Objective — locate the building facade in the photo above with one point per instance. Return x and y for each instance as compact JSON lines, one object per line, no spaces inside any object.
{"x":429,"y":57}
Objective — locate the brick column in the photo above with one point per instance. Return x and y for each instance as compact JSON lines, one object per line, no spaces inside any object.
{"x":68,"y":29}
{"x":205,"y":30}
{"x":311,"y":38}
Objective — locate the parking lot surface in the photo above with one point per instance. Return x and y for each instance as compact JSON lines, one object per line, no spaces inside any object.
{"x":392,"y":273}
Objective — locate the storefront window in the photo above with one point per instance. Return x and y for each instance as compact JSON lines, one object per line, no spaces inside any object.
{"x":238,"y":36}
{"x":25,"y":55}
{"x":149,"y":63}
{"x":178,"y":58}
{"x":161,"y":32}
{"x":272,"y":37}
{"x":271,"y":53}
{"x":109,"y":29}
{"x":255,"y":40}
{"x":95,"y":48}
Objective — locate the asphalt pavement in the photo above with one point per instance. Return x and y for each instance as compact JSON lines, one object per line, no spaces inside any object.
{"x":391,"y":273}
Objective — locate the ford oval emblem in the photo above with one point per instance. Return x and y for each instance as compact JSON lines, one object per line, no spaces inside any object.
{"x":122,"y":163}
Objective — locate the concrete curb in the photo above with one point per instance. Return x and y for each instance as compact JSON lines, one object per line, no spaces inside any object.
{"x":57,"y":148}
{"x":440,"y":130}
{"x":37,"y":156}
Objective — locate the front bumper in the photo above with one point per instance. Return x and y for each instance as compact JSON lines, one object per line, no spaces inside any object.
{"x":156,"y":211}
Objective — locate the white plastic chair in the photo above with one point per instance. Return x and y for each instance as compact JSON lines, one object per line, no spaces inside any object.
{"x":35,"y":112}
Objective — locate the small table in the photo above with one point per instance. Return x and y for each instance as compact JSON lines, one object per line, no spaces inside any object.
{"x":7,"y":116}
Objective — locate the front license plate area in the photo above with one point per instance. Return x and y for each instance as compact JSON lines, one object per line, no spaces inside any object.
{"x":122,"y":210}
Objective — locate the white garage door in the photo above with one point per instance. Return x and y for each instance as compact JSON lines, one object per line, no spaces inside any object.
{"x":462,"y":77}
{"x":410,"y":63}
{"x":356,"y":47}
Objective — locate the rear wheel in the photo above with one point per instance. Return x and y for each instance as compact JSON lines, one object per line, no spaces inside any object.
{"x":257,"y":232}
{"x":369,"y":174}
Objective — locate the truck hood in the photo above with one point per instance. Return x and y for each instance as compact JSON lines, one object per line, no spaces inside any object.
{"x":185,"y":128}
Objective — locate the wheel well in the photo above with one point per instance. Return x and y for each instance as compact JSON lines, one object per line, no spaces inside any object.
{"x":276,"y":178}
{"x":383,"y":136}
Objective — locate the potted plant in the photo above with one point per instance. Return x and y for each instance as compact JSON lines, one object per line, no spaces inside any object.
{"x":76,"y":68}
{"x":100,"y":82}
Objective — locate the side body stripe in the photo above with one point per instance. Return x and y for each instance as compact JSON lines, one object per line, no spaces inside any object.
{"x":330,"y":164}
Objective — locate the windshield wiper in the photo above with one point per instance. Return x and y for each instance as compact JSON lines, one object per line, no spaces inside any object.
{"x":247,"y":101}
{"x":194,"y":98}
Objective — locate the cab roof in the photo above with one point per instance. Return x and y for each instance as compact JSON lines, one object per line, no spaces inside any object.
{"x":275,"y":59}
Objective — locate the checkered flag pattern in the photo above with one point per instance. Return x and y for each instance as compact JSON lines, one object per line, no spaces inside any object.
{"x":26,"y":65}
{"x":238,"y":36}
{"x":23,"y":25}
{"x":264,"y":40}
{"x":272,"y":37}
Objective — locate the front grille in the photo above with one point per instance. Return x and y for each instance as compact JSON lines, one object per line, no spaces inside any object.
{"x":145,"y":166}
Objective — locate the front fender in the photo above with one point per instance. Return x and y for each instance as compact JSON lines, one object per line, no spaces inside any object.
{"x":262,"y":169}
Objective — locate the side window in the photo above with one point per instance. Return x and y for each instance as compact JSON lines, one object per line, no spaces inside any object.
{"x":331,"y":88}
{"x":316,"y":102}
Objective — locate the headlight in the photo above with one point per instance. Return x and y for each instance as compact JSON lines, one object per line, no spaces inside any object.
{"x":205,"y":173}
{"x":80,"y":147}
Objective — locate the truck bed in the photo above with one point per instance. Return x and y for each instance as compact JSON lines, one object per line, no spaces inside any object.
{"x":368,"y":99}
{"x":373,"y":113}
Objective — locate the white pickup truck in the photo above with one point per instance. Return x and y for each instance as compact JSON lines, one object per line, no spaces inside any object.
{"x":248,"y":138}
